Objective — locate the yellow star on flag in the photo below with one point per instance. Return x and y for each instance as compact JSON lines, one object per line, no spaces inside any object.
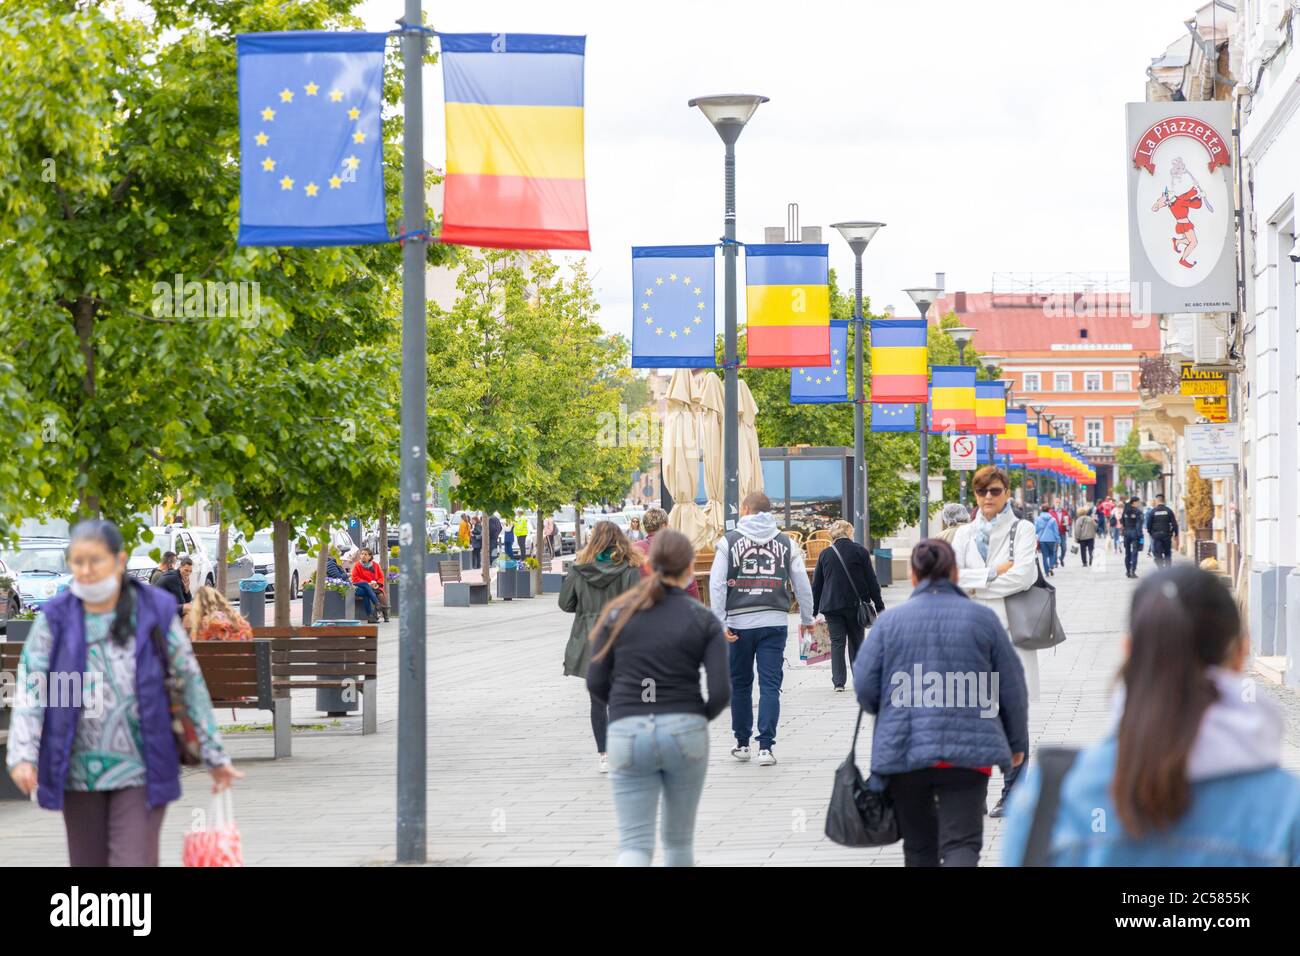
{"x":358,"y":137}
{"x":659,"y":280}
{"x":311,"y":89}
{"x":659,"y":331}
{"x":697,"y":290}
{"x":672,"y":335}
{"x":286,"y":183}
{"x":311,"y":189}
{"x":351,"y":162}
{"x":697,"y":320}
{"x":286,"y":95}
{"x":353,"y":113}
{"x":268,"y":114}
{"x":335,"y":182}
{"x":336,"y":96}
{"x":645,"y":306}
{"x":686,"y":330}
{"x":261,"y":139}
{"x":649,"y":291}
{"x":686,"y":281}
{"x":649,"y":320}
{"x":699,"y":305}
{"x":672,"y":277}
{"x":268,"y":164}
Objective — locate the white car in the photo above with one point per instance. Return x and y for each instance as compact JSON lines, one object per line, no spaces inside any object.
{"x":262,"y":552}
{"x":141,"y":562}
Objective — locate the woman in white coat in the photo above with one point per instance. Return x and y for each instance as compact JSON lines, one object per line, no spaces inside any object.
{"x":990,"y":571}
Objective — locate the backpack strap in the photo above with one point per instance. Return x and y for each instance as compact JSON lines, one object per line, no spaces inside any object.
{"x":1055,"y":763}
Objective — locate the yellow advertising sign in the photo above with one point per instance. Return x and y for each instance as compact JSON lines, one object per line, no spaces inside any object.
{"x":1212,"y":409}
{"x":1202,"y":382}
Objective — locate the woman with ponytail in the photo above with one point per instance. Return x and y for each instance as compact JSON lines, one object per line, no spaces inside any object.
{"x":1189,"y":774}
{"x":647,"y":649}
{"x":92,"y":730}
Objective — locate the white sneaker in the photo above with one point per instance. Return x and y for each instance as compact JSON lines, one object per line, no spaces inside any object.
{"x":740,"y":753}
{"x":603,"y":765}
{"x":766,"y":758}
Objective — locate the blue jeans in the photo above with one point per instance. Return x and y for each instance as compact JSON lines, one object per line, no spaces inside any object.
{"x":1063,"y":545}
{"x":766,"y":647}
{"x":510,"y":544}
{"x":649,"y":755}
{"x":369,"y":599}
{"x":1048,"y":549}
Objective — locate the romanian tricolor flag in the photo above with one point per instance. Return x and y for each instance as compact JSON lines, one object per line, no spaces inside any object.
{"x":899,"y":363}
{"x":1012,"y":439}
{"x":952,"y":398}
{"x":515,"y":175}
{"x":990,"y":408}
{"x":1030,"y":455}
{"x":787,"y":305}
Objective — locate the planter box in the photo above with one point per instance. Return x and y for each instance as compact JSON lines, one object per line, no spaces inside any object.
{"x":17,"y":631}
{"x":466,"y":560}
{"x":337,"y":606}
{"x":552,"y":582}
{"x":506,"y":584}
{"x":523,"y":583}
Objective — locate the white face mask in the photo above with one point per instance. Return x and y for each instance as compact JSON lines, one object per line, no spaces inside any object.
{"x":97,"y":592}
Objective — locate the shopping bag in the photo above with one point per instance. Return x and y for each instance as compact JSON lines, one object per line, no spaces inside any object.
{"x":815,"y":647}
{"x":217,"y":843}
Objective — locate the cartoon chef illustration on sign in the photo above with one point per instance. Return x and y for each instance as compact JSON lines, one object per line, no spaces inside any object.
{"x":1182,"y":195}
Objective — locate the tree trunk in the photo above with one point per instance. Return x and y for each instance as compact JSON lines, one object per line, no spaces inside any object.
{"x":83,"y":320}
{"x":223,"y":544}
{"x":318,"y":595}
{"x":577,"y":528}
{"x":280,"y":532}
{"x":486,"y":558}
{"x":539,"y":551}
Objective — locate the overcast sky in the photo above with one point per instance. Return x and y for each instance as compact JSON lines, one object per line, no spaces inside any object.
{"x":988,"y":136}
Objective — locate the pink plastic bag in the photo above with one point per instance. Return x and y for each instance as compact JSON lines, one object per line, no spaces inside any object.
{"x":216,"y":844}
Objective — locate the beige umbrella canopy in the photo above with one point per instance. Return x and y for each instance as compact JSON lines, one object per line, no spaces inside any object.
{"x":681,"y":453}
{"x":751,"y":468}
{"x":712,"y":402}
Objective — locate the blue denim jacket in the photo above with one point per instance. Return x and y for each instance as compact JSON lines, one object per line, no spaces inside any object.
{"x":1240,"y":819}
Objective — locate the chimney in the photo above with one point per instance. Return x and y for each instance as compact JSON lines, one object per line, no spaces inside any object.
{"x":959,"y":302}
{"x":938,"y":281}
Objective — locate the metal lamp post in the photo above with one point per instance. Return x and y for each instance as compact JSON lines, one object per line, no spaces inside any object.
{"x":857,"y":235}
{"x":962,"y":336}
{"x":924,"y":297}
{"x":1038,"y":478}
{"x":1051,"y":433}
{"x":729,"y":114}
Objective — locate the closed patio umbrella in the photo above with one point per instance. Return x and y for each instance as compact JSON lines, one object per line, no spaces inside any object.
{"x":681,"y":453}
{"x":751,"y":468}
{"x":712,"y":401}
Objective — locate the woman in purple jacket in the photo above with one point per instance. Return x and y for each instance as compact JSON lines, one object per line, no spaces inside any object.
{"x":92,"y":728}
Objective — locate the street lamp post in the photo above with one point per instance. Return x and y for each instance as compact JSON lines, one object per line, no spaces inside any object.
{"x":962,"y":336}
{"x":1038,"y":478}
{"x":1051,"y":433}
{"x":858,"y":234}
{"x":924,"y":297}
{"x":729,"y":114}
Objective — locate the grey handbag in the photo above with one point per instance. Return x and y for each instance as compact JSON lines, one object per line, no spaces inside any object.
{"x":1031,"y":614}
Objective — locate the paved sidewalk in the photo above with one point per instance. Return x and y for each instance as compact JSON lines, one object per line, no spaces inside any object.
{"x":512,"y":765}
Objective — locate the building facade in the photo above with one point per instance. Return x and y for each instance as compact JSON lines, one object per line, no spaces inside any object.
{"x":1072,"y":353}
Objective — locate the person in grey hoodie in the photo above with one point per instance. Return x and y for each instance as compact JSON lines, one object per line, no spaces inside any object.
{"x":755,"y":570}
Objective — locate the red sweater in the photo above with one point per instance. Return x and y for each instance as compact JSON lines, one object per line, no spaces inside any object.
{"x":374,"y":576}
{"x":693,"y":589}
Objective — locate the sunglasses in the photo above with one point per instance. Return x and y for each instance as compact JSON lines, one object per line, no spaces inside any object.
{"x":990,"y":492}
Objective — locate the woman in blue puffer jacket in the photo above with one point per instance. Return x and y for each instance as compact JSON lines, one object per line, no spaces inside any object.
{"x":1190,"y":774}
{"x":948,"y":691}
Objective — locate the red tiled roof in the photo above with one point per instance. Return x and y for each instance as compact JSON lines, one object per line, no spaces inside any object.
{"x":1009,"y":323}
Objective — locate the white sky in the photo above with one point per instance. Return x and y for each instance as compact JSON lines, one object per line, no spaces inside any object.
{"x":988,"y":136}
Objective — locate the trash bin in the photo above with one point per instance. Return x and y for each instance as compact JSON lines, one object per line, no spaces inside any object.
{"x":885,"y":566}
{"x":252,"y":599}
{"x":331,"y":700}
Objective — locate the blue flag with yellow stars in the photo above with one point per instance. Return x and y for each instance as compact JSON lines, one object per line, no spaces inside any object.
{"x":893,"y":417}
{"x":672,"y":296}
{"x":829,"y":384}
{"x":310,"y":141}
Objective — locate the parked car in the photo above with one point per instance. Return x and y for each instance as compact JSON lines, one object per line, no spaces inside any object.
{"x":261,"y":552}
{"x":239,"y":565}
{"x":40,"y":569}
{"x":10,"y":591}
{"x":144,"y":557}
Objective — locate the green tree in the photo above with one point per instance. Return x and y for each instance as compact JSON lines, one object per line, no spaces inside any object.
{"x":1134,"y":467}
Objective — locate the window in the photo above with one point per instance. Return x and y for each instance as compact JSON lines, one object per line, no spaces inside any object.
{"x":1065,"y":428}
{"x":1122,"y":428}
{"x":1061,"y":382}
{"x":1092,"y":381}
{"x":1031,"y":382}
{"x":1092,"y":430}
{"x":1123,"y":381}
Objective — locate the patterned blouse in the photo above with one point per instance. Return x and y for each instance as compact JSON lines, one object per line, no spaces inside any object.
{"x":107,"y":750}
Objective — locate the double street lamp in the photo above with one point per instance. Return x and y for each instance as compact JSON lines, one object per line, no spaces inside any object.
{"x":729,"y":114}
{"x":924,"y":297}
{"x":857,"y":235}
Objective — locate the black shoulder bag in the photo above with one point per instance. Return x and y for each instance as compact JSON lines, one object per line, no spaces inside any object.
{"x":859,"y":815}
{"x":1053,"y":764}
{"x":866,"y":613}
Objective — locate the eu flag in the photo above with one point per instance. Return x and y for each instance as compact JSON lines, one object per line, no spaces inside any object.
{"x":826,"y":385}
{"x":886,"y":417}
{"x":672,"y":295}
{"x":310,"y":142}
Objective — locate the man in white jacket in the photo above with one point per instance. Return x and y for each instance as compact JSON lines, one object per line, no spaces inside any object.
{"x":755,"y":568}
{"x":990,"y":569}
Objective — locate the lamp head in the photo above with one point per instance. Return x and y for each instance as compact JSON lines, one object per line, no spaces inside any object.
{"x":857,"y":234}
{"x":960,"y":334}
{"x":924,"y":297}
{"x":728,"y":113}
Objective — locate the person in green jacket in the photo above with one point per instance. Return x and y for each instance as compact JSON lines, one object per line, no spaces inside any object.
{"x":521,"y":534}
{"x":604,"y":569}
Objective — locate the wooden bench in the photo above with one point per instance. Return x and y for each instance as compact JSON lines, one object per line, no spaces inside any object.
{"x":239,"y":674}
{"x":339,"y":658}
{"x":458,"y":593}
